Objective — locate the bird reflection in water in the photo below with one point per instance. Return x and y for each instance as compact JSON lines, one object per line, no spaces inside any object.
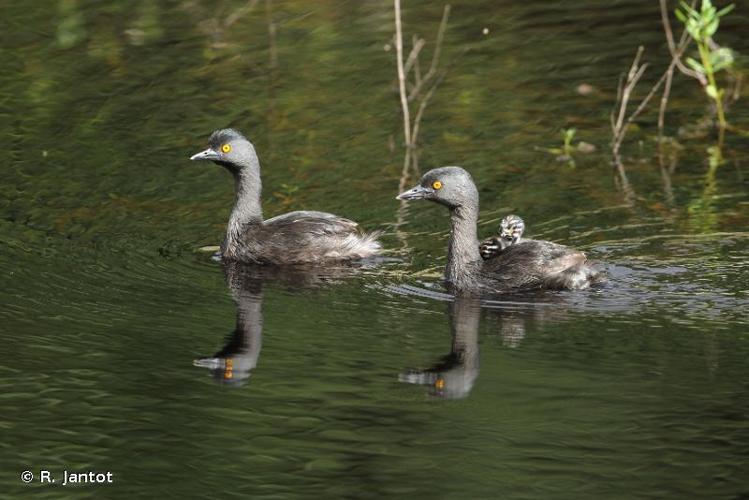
{"x":234,"y":363}
{"x":454,"y":375}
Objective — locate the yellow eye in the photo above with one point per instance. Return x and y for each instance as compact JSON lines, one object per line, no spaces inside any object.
{"x":437,"y":185}
{"x":226,"y":148}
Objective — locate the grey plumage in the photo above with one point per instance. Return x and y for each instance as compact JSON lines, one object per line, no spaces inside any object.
{"x":525,"y":265}
{"x":292,"y":238}
{"x":455,"y":375}
{"x":235,"y":362}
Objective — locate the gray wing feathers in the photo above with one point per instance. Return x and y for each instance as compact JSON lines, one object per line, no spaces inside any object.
{"x":314,"y":222}
{"x":307,"y":236}
{"x":534,"y":263}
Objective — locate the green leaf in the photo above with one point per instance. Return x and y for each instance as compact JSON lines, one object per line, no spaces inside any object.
{"x":695,"y":27}
{"x":695,"y":65}
{"x":720,"y":66}
{"x":688,"y":8}
{"x":721,"y":58}
{"x":725,"y":10}
{"x":711,"y":91}
{"x":711,"y":27}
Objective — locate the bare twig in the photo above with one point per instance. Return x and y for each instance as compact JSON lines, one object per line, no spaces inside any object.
{"x":623,"y":182}
{"x":405,"y":171}
{"x":620,"y":121}
{"x":413,"y":56}
{"x":626,"y":86}
{"x":417,"y":72}
{"x":619,"y":88}
{"x":417,"y":66}
{"x":429,"y":82}
{"x":620,"y":124}
{"x":402,"y":74}
{"x":435,"y":56}
{"x":672,"y":47}
{"x":646,"y":100}
{"x":422,"y":107}
{"x":420,"y":91}
{"x":676,"y":52}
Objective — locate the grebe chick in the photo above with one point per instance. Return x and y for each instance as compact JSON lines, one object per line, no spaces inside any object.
{"x":510,"y":232}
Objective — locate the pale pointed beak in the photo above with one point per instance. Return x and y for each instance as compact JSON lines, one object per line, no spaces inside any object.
{"x":416,"y":193}
{"x":208,"y":154}
{"x":212,"y":363}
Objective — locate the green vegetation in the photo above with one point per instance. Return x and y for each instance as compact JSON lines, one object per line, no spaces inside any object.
{"x":567,"y":135}
{"x":564,"y":153}
{"x":702,"y":25}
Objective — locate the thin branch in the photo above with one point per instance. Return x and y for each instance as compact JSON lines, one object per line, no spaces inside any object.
{"x":612,"y":115}
{"x":646,"y":100}
{"x":629,"y":193}
{"x":402,"y":74}
{"x":435,"y":56}
{"x":440,"y":37}
{"x":625,"y":88}
{"x":423,"y":105}
{"x":676,"y":53}
{"x":404,"y":171}
{"x":672,"y":47}
{"x":669,"y":74}
{"x":417,"y":71}
{"x":409,"y":92}
{"x":619,"y":126}
{"x":413,"y":56}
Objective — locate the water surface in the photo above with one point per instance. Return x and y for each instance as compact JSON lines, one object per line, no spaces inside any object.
{"x":126,"y":350}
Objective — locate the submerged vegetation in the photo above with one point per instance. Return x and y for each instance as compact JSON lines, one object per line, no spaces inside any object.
{"x":565,"y":153}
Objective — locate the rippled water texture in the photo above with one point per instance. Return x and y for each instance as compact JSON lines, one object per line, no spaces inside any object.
{"x":125,"y":349}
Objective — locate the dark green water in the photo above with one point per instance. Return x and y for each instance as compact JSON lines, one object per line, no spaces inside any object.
{"x":635,"y":390}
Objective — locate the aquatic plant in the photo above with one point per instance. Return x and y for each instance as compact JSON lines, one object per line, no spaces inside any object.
{"x":702,"y":25}
{"x":699,"y":27}
{"x":568,"y":134}
{"x":564,"y":153}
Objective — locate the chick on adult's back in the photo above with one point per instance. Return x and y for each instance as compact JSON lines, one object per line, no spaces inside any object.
{"x":521,"y":265}
{"x":292,"y":238}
